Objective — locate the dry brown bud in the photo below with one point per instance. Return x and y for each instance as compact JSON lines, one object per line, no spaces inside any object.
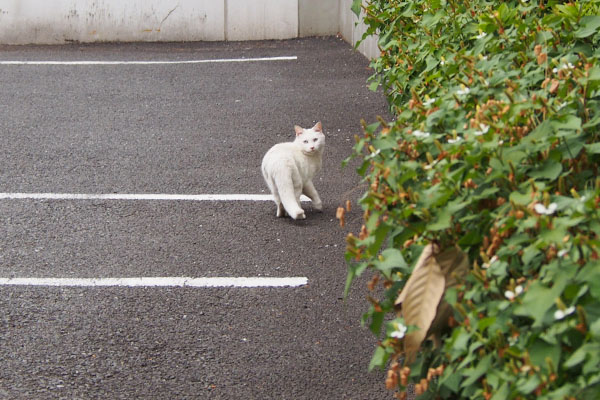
{"x":373,"y":282}
{"x":418,"y":389}
{"x":554,"y":86}
{"x":340,"y":215}
{"x":392,"y":379}
{"x":363,"y":233}
{"x":542,"y":58}
{"x":439,"y":370}
{"x":519,"y":214}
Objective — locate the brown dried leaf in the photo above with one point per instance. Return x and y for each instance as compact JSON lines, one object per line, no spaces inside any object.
{"x":420,"y":298}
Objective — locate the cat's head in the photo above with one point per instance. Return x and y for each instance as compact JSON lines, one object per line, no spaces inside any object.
{"x":312,"y":141}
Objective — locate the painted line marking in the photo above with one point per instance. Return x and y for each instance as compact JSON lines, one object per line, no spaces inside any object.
{"x":140,"y":196}
{"x":99,"y":62}
{"x":212,"y":282}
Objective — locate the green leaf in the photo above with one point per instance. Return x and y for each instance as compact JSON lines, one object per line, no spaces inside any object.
{"x":589,"y":349}
{"x":502,"y":393}
{"x":376,"y":322}
{"x":473,"y":374}
{"x":593,"y":148}
{"x":538,"y":299}
{"x":529,"y":384}
{"x":379,"y":359}
{"x":591,"y":274}
{"x":388,"y":260}
{"x":470,"y":239}
{"x":451,"y":381}
{"x":485,"y":323}
{"x":568,"y":122}
{"x":549,"y":170}
{"x":515,"y":156}
{"x":356,"y":7}
{"x":522,"y":199}
{"x":374,"y":86}
{"x":595,"y":329}
{"x":529,"y":253}
{"x":442,"y":222}
{"x":354,"y":270}
{"x":485,"y":193}
{"x":541,"y":351}
{"x":588,"y":26}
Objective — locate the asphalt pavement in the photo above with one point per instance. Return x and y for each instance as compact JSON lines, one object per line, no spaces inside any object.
{"x":178,"y":128}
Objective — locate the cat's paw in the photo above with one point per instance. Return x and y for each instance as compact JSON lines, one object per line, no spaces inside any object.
{"x":300,"y":215}
{"x":318,"y":206}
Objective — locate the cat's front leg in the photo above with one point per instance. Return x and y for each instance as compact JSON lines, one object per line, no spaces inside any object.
{"x":310,"y":191}
{"x":280,"y":210}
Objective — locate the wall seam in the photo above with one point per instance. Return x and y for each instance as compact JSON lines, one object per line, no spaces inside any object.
{"x":225,"y":22}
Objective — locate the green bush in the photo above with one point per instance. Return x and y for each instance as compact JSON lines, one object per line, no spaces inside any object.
{"x":494,"y":150}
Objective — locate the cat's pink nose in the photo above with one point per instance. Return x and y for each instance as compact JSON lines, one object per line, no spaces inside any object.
{"x":312,"y":147}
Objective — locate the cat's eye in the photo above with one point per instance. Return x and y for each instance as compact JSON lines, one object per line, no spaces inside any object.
{"x":306,"y":141}
{"x":315,"y":139}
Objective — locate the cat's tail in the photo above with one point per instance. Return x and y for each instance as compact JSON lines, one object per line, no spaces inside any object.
{"x":289,"y":193}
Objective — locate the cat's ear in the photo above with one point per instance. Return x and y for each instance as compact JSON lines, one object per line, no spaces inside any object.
{"x":298,"y":130}
{"x":318,"y":127}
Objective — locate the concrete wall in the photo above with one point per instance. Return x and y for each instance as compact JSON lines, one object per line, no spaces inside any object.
{"x":261,"y":19}
{"x":353,"y":31}
{"x":318,"y":17}
{"x":63,"y":21}
{"x":60,"y":21}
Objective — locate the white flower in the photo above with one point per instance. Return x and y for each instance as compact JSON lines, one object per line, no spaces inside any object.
{"x":481,"y":35}
{"x":399,"y":332}
{"x":489,"y":264}
{"x":429,"y":101}
{"x":509,"y":294}
{"x":518,"y":290}
{"x":542,"y":210}
{"x":560,"y":314}
{"x":421,"y":134}
{"x":452,"y":141}
{"x":563,"y":253}
{"x":429,"y":166}
{"x":483,"y":131}
{"x":564,"y":66}
{"x":463,"y":90}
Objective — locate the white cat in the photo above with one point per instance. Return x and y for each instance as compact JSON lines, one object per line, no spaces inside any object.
{"x":288,"y":169}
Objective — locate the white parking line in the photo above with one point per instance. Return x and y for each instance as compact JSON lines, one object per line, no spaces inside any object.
{"x":140,"y":196}
{"x":212,"y":282}
{"x":100,"y":62}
